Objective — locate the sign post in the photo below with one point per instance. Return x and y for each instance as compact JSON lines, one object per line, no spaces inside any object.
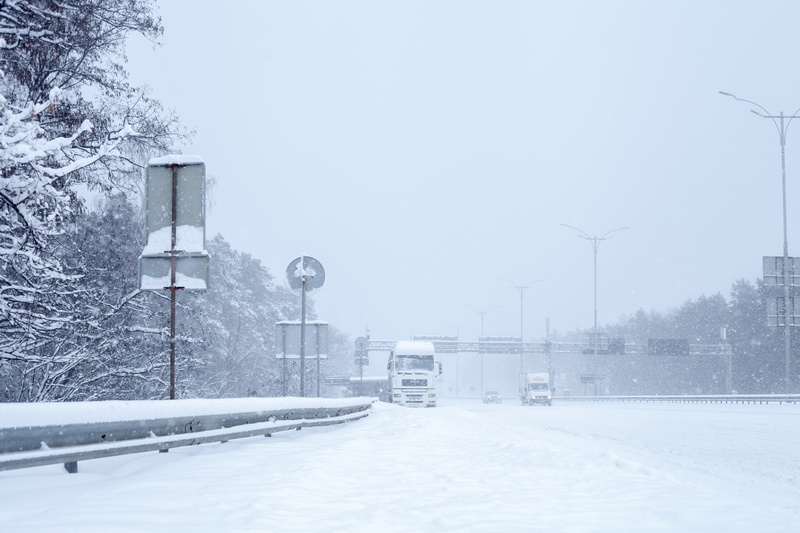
{"x":361,"y":356}
{"x":288,"y":335}
{"x":591,"y":379}
{"x":781,"y":281}
{"x":305,"y":273}
{"x":174,"y":257}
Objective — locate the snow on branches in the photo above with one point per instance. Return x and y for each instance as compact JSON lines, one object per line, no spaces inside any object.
{"x":69,"y":122}
{"x":30,"y":164}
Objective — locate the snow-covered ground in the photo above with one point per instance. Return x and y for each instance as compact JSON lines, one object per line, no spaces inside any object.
{"x":463,"y":466}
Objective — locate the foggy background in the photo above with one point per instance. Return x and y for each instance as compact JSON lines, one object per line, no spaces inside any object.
{"x":421,"y":151}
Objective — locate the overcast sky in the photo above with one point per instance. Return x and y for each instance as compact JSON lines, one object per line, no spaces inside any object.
{"x":422,"y":151}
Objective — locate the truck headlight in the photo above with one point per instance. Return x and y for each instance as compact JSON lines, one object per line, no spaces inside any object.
{"x":396,"y":395}
{"x":431,"y":396}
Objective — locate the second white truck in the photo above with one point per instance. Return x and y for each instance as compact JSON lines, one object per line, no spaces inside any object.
{"x":534,"y":387}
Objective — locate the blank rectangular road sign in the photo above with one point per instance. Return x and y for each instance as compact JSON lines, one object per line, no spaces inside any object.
{"x":191,"y":272}
{"x":190,"y":212}
{"x":287,"y":339}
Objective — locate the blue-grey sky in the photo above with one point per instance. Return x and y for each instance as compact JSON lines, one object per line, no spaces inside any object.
{"x":422,"y":150}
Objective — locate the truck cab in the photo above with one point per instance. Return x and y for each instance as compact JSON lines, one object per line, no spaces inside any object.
{"x":413,"y":369}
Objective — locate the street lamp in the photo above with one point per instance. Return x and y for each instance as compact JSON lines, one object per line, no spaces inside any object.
{"x":782,"y":125}
{"x":482,"y":312}
{"x":521,"y":289}
{"x":595,"y":245}
{"x":458,"y":331}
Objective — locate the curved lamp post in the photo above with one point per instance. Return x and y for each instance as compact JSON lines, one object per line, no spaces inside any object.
{"x":781,"y":123}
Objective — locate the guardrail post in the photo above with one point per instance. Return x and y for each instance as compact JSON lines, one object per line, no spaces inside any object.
{"x":71,"y":467}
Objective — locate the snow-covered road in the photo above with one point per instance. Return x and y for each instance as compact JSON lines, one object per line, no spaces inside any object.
{"x":464,"y":466}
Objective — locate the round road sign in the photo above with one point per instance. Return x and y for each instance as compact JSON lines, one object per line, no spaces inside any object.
{"x":361,"y":343}
{"x":308,"y":268}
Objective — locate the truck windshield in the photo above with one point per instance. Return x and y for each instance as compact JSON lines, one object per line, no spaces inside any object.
{"x":409,"y":363}
{"x":539,"y":386}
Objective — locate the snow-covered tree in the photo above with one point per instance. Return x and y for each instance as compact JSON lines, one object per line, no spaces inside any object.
{"x":69,"y":122}
{"x":73,"y":325}
{"x":758,"y":363}
{"x":758,"y":349}
{"x":228,"y":332}
{"x":104,"y":339}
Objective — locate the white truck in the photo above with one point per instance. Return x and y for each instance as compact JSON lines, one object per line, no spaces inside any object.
{"x":412,"y":374}
{"x":534,"y":387}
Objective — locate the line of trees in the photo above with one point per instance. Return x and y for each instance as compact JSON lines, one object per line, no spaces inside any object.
{"x":73,"y":325}
{"x":758,"y":363}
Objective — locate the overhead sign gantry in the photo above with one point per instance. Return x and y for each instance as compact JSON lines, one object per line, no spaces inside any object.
{"x":511,"y":345}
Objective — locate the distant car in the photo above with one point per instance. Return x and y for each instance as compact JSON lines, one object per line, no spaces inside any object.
{"x":492,"y":397}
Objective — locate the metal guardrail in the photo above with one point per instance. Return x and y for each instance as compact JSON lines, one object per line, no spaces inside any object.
{"x":23,"y":447}
{"x":723,"y":398}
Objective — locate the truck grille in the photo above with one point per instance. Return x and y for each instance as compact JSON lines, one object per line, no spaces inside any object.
{"x":415,"y":383}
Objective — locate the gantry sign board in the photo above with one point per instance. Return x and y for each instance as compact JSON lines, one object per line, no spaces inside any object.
{"x":605,"y":345}
{"x":778,"y":309}
{"x":667,"y":346}
{"x":441,"y":343}
{"x":500,"y":345}
{"x":186,"y":176}
{"x":287,"y":339}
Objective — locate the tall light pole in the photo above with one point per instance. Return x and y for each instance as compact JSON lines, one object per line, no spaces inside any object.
{"x":595,"y":245}
{"x":521,"y":289}
{"x":458,"y":331}
{"x":782,"y":125}
{"x":482,"y":312}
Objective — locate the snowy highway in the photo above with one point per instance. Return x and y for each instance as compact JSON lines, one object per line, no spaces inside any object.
{"x":463,"y":466}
